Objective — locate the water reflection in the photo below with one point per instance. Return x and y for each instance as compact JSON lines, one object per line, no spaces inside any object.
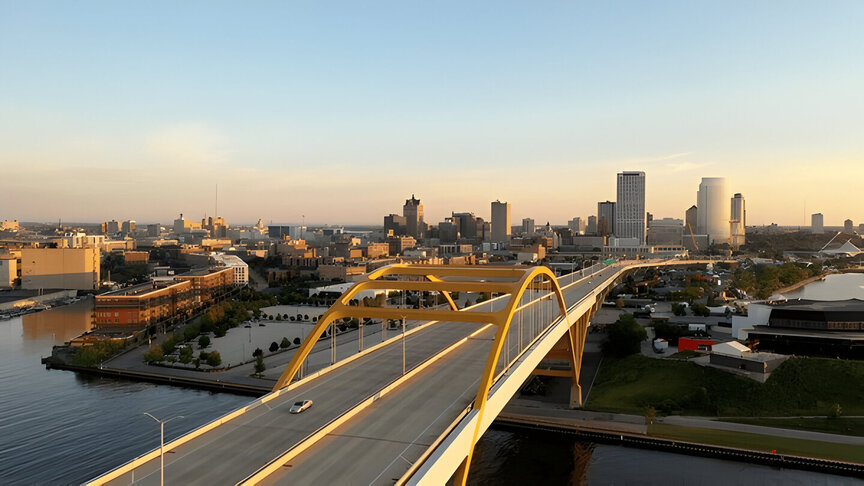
{"x":60,"y":324}
{"x":834,"y":287}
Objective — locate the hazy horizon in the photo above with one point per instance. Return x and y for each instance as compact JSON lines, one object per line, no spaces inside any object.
{"x":340,"y":112}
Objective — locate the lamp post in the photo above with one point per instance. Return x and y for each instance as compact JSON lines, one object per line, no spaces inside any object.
{"x":403,"y":345}
{"x":162,"y":445}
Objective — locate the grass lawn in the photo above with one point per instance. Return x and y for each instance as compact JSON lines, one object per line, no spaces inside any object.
{"x":843,"y":426}
{"x":800,"y":386}
{"x":764,"y":443}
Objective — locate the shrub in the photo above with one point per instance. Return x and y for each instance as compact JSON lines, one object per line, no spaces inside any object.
{"x":203,"y":341}
{"x":259,"y":365}
{"x":214,"y":359}
{"x":186,"y":355}
{"x":274,"y":347}
{"x":257,"y":352}
{"x":297,"y":340}
{"x":285,"y":344}
{"x":153,"y":354}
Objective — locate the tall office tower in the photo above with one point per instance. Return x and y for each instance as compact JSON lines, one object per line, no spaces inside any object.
{"x":690,"y":220}
{"x":412,"y":211}
{"x":500,"y":221}
{"x":848,"y":226}
{"x":128,"y":227}
{"x":738,"y":222}
{"x":630,"y":206}
{"x":527,"y":227}
{"x":605,"y":218}
{"x":712,"y":214}
{"x":591,"y":228}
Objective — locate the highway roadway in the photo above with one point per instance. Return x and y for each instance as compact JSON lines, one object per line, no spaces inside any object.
{"x":379,"y":443}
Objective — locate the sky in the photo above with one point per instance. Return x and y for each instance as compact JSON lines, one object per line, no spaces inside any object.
{"x":336,"y":112}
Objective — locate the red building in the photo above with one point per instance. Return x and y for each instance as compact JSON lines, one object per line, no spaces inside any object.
{"x":695,"y":344}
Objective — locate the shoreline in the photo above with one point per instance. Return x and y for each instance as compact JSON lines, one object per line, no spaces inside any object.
{"x":636,"y":440}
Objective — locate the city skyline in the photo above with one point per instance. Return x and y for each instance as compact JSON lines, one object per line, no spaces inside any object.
{"x":106,"y":116}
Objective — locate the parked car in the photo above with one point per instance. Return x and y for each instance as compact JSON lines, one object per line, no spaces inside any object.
{"x":300,"y":406}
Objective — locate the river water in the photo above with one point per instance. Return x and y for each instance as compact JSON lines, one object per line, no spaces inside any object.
{"x":58,"y":427}
{"x":834,"y":287}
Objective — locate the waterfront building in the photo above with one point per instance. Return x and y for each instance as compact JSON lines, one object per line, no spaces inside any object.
{"x":817,"y":224}
{"x":500,"y":221}
{"x":60,"y":268}
{"x":629,"y":219}
{"x":713,"y":211}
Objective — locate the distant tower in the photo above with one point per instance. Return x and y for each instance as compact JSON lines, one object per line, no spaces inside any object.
{"x":630,"y":206}
{"x":712,"y":203}
{"x":690,"y":220}
{"x":591,"y":227}
{"x":605,"y":218}
{"x":528,"y":227}
{"x":848,"y":226}
{"x":412,"y":211}
{"x":738,"y":222}
{"x":500,"y":221}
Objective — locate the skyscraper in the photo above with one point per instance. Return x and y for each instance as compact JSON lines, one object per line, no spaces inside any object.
{"x":527,"y":227}
{"x":817,"y":224}
{"x":630,"y":206}
{"x":500,"y":221}
{"x":591,"y":228}
{"x":712,"y":204}
{"x":412,"y":211}
{"x":738,"y":221}
{"x":605,"y":218}
{"x":690,"y":220}
{"x":848,"y":226}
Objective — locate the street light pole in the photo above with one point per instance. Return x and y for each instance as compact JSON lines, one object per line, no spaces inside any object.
{"x":403,"y":345}
{"x":162,"y":445}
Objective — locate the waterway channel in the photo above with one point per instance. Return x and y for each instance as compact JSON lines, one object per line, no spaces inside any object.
{"x":57,"y":427}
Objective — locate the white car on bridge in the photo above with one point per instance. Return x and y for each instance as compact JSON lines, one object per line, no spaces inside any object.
{"x":300,"y":406}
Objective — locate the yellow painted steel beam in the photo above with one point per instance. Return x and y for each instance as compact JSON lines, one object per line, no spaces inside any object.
{"x":433,"y":274}
{"x":461,"y":476}
{"x":442,"y":286}
{"x":556,"y":373}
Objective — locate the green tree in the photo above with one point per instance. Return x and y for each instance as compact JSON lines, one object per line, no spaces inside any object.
{"x":203,"y":342}
{"x":214,"y":359}
{"x":257,"y":352}
{"x":259,"y":365}
{"x":186,"y":355}
{"x":153,"y":354}
{"x":624,"y":337}
{"x":285,"y":344}
{"x":273,"y":347}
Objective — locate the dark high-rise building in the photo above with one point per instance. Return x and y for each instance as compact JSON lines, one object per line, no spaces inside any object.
{"x":605,"y":218}
{"x":630,"y":206}
{"x":412,"y":211}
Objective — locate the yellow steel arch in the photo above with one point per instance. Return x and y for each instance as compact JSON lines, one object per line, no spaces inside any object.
{"x":512,"y":280}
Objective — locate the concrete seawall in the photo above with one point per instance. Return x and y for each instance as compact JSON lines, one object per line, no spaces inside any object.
{"x":617,"y":437}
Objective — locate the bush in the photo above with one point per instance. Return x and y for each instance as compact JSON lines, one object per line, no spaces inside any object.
{"x":679,"y":309}
{"x":285,"y":344}
{"x":259,"y":365}
{"x":214,"y":359}
{"x":153,"y":354}
{"x":297,"y":340}
{"x":624,"y":337}
{"x":700,"y":310}
{"x":274,"y":347}
{"x":203,"y":341}
{"x":186,"y":355}
{"x":168,"y":345}
{"x":257,"y":352}
{"x":220,"y":332}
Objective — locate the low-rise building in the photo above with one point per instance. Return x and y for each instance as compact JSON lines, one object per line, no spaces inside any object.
{"x":60,"y":268}
{"x":241,"y":269}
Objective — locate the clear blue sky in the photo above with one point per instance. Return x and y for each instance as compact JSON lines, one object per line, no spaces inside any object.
{"x":340,"y":110}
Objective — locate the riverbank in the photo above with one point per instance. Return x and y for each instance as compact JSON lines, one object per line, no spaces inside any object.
{"x":699,"y":442}
{"x":802,"y":283}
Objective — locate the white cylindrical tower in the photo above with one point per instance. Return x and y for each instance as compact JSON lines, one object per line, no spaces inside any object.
{"x":713,"y":211}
